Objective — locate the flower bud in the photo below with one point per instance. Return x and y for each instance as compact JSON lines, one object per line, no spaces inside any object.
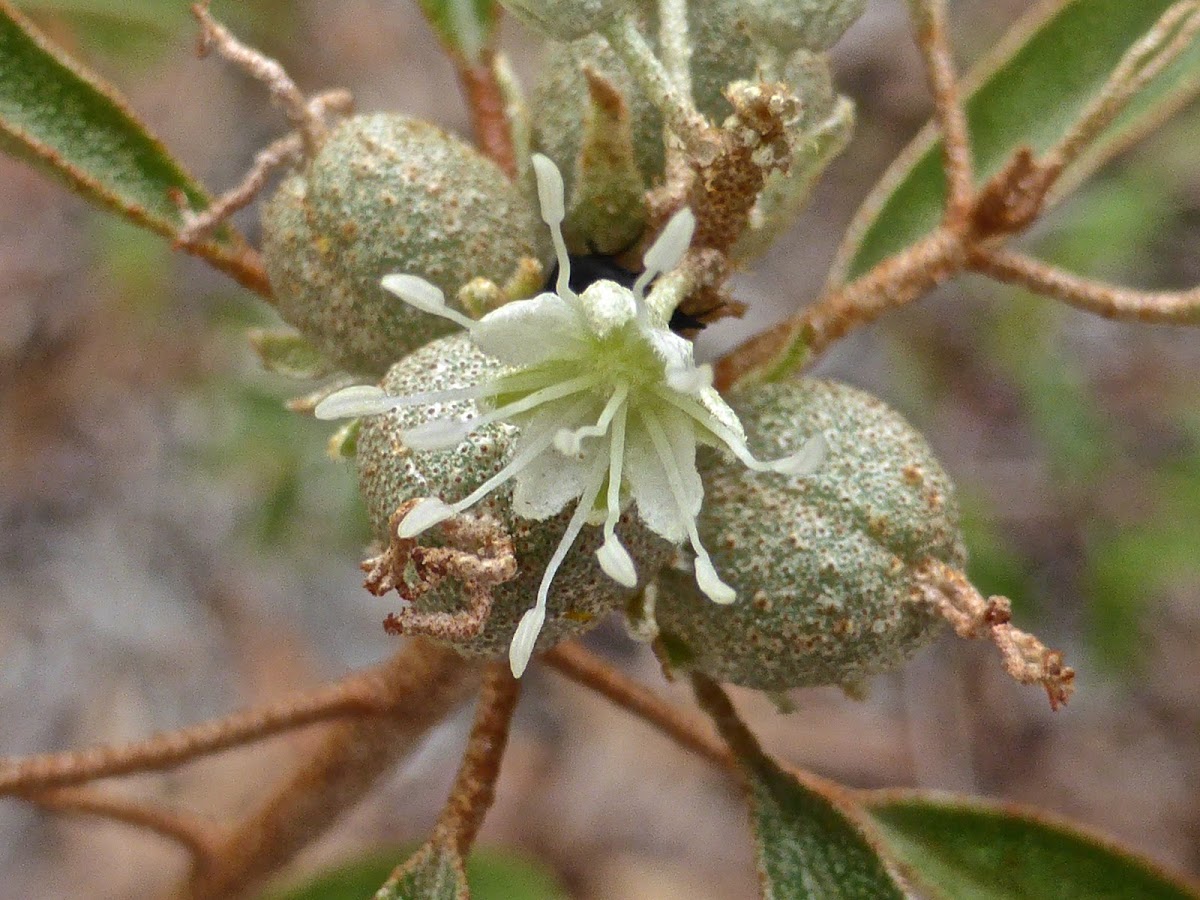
{"x":388,"y":193}
{"x":392,"y":474}
{"x":823,"y":566}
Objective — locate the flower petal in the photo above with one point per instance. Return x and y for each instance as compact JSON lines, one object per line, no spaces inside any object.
{"x":533,"y":331}
{"x":550,"y":480}
{"x":649,"y":485}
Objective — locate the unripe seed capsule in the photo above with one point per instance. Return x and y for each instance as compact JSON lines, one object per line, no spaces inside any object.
{"x":824,"y":565}
{"x":388,"y":193}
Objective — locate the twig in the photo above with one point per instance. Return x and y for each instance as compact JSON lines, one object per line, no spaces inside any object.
{"x":366,"y":693}
{"x":895,"y":282}
{"x":424,"y":682}
{"x":747,"y":753}
{"x":475,"y":784}
{"x":678,"y":110}
{"x":1107,"y":300}
{"x":285,"y":93}
{"x":1170,"y":36}
{"x":929,"y":21}
{"x":195,"y":835}
{"x":285,"y":151}
{"x":587,"y":669}
{"x":1009,"y":202}
{"x":1026,"y":659}
{"x":676,"y":48}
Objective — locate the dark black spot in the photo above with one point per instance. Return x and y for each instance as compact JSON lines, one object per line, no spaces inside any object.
{"x":587,"y":270}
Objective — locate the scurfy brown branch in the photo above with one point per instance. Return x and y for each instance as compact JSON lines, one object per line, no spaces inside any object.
{"x":426,"y":682}
{"x":475,"y":784}
{"x":191,"y":832}
{"x":1004,"y":207}
{"x":929,"y":22}
{"x":362,"y":694}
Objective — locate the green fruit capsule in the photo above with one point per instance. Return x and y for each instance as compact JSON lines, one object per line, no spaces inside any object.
{"x":791,"y":25}
{"x":387,"y":193}
{"x":565,"y":20}
{"x":725,"y":48}
{"x":823,"y":565}
{"x":391,"y":474}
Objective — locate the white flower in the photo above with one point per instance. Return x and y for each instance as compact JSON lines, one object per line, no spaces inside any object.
{"x":610,"y":403}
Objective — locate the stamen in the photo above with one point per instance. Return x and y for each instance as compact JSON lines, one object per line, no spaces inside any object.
{"x":551,"y":198}
{"x":804,"y":461}
{"x":667,"y":250}
{"x":614,"y":559}
{"x":570,"y":443}
{"x":356,"y":400}
{"x":531,"y":623}
{"x":427,"y":297}
{"x":369,"y":400}
{"x":424,"y":515}
{"x":706,"y":574}
{"x":519,"y":461}
{"x":441,"y":434}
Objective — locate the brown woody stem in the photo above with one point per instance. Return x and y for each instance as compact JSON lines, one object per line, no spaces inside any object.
{"x":929,"y":21}
{"x":365,"y":693}
{"x":1026,"y":659}
{"x":197,"y":836}
{"x":1107,"y":300}
{"x":895,"y":282}
{"x":423,"y":682}
{"x":475,"y":785}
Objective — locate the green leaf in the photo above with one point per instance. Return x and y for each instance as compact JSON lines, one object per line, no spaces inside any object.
{"x":967,"y":849}
{"x":491,"y":875}
{"x":161,"y":17}
{"x":465,"y":27}
{"x":1028,"y":92}
{"x":59,"y":116}
{"x":807,"y":848}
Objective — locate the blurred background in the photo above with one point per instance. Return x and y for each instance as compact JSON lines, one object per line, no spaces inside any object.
{"x":174,"y":545}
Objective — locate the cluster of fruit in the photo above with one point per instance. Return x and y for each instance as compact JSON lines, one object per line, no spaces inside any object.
{"x":512,"y":397}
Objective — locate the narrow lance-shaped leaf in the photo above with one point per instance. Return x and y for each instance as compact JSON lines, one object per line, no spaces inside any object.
{"x":466,"y":27}
{"x":1028,"y":92}
{"x":967,"y":849}
{"x":807,"y":846}
{"x":59,"y":116}
{"x":491,"y":874}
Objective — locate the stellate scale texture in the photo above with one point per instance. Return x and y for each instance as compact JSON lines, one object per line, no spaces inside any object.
{"x":790,"y":25}
{"x":391,"y":474}
{"x":724,"y":50}
{"x":823,"y":564}
{"x":388,"y":193}
{"x":565,"y":20}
